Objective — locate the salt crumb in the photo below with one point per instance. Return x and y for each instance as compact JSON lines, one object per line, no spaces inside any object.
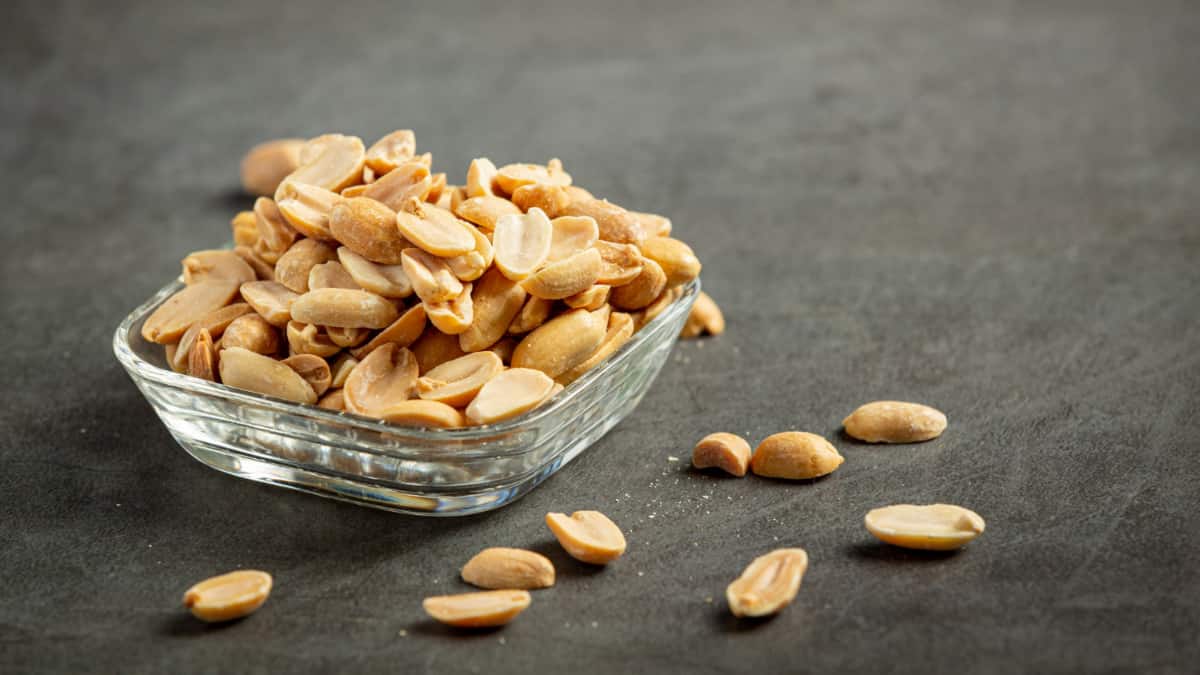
{"x":708,"y":599}
{"x":595,"y":624}
{"x":403,"y":633}
{"x":672,"y":458}
{"x":640,"y":573}
{"x":501,"y":640}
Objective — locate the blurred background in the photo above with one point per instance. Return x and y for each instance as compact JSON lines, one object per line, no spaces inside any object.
{"x":989,"y":207}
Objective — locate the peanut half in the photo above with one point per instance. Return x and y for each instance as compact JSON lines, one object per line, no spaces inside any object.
{"x":390,"y":281}
{"x":563,"y":342}
{"x":222,"y":264}
{"x":386,"y":376}
{"x":727,"y":452}
{"x":434,"y":230}
{"x":431,"y":278}
{"x":420,"y":413}
{"x":508,"y":394}
{"x":251,"y":332}
{"x":306,"y":208}
{"x":215,"y":322}
{"x":480,"y":175}
{"x":571,"y":235}
{"x":294,"y":266}
{"x":622,"y":263}
{"x":453,"y":316}
{"x":485,"y":211}
{"x":587,"y":536}
{"x":314,"y":370}
{"x":344,"y":308}
{"x":244,"y":369}
{"x":932,"y":527}
{"x":795,"y":455}
{"x":521,"y":243}
{"x":271,"y":299}
{"x":458,"y":381}
{"x":275,"y":235}
{"x":705,"y":317}
{"x":266,"y":164}
{"x":497,"y":300}
{"x":644,"y":289}
{"x":172,"y":318}
{"x":331,"y":162}
{"x":332,"y":275}
{"x":307,"y":338}
{"x":369,"y":229}
{"x":391,"y":151}
{"x":402,"y":333}
{"x":895,"y":422}
{"x":228,"y":596}
{"x":675,"y":258}
{"x":615,"y":223}
{"x":566,"y":277}
{"x":202,"y":357}
{"x":620,"y":329}
{"x":408,"y":181}
{"x":769,"y":584}
{"x":512,"y":176}
{"x":504,"y":568}
{"x":477,"y":610}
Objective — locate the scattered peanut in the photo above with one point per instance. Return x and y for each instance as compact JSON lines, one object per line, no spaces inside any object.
{"x":705,"y":317}
{"x":933,"y":527}
{"x":506,"y":568}
{"x":727,"y":452}
{"x":247,"y":370}
{"x":228,"y":596}
{"x":795,"y":455}
{"x":769,"y":584}
{"x":266,"y":164}
{"x":895,"y":422}
{"x":477,"y":610}
{"x":587,"y":536}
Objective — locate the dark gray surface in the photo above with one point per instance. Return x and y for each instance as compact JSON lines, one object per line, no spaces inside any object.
{"x":994,"y":211}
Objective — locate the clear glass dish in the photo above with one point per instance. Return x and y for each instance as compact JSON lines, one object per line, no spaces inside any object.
{"x":434,"y":472}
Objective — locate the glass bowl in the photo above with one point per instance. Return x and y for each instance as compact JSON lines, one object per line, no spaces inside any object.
{"x":434,"y":472}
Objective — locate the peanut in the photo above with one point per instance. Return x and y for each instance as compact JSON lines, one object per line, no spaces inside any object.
{"x":566,"y":277}
{"x":275,"y":235}
{"x":306,"y":208}
{"x":334,"y":400}
{"x":615,"y":223}
{"x":496,"y":300}
{"x":571,"y":235}
{"x":653,"y":224}
{"x":228,"y":596}
{"x":431,"y":278}
{"x":552,"y":199}
{"x":675,"y":258}
{"x":251,"y":332}
{"x":512,"y":176}
{"x":313,"y":369}
{"x":294,"y":266}
{"x":348,"y":337}
{"x":201,"y":357}
{"x":768,"y":584}
{"x":271,"y":299}
{"x":169,"y":321}
{"x":263,"y":270}
{"x":386,"y":376}
{"x":330,"y":162}
{"x":705,"y":317}
{"x":391,"y":151}
{"x":215,"y":322}
{"x":457,"y":382}
{"x":477,"y":610}
{"x":620,"y":329}
{"x":340,"y":369}
{"x":486,"y":210}
{"x":504,"y":348}
{"x":480,"y":175}
{"x":622,"y":263}
{"x":245,"y":228}
{"x":390,"y":281}
{"x":266,"y":164}
{"x":344,"y":308}
{"x":402,"y":333}
{"x":563,"y":342}
{"x":660,"y":304}
{"x":932,"y":527}
{"x":368,"y":228}
{"x":332,"y":275}
{"x":795,"y":455}
{"x":895,"y":422}
{"x":434,"y":230}
{"x":222,"y":264}
{"x":533,"y":314}
{"x":419,"y":413}
{"x":471,"y":265}
{"x":643,"y":290}
{"x":453,"y":316}
{"x":503,"y":568}
{"x":244,"y":369}
{"x":307,"y":338}
{"x":587,"y":536}
{"x":408,"y":181}
{"x":727,"y":452}
{"x":512,"y":392}
{"x":592,"y":298}
{"x":521,"y":243}
{"x":436,"y":188}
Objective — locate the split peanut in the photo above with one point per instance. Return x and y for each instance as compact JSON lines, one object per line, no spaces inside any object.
{"x":895,"y":422}
{"x":933,"y":527}
{"x":769,"y":584}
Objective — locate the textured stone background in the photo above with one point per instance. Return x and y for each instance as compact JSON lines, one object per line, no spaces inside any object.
{"x":991,"y":209}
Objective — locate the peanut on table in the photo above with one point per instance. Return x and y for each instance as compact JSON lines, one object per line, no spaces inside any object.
{"x":363,"y":281}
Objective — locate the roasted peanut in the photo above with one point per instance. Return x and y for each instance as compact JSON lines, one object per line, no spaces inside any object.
{"x":331,"y":162}
{"x":471,"y":265}
{"x":501,"y":568}
{"x":566,"y":277}
{"x":512,"y":176}
{"x":420,"y":413}
{"x":436,"y":188}
{"x":660,"y":305}
{"x":244,"y":369}
{"x":307,"y":338}
{"x":293,"y":267}
{"x":223,"y":264}
{"x":434,"y":230}
{"x":620,"y":329}
{"x":228,"y":596}
{"x":769,"y":584}
{"x":275,"y":235}
{"x":485,"y":211}
{"x":306,"y":208}
{"x":550,"y":198}
{"x":215,"y":322}
{"x":340,"y":369}
{"x":387,"y":375}
{"x":263,"y":270}
{"x":334,"y":400}
{"x":458,"y":381}
{"x":496,"y":300}
{"x":245,"y":228}
{"x":512,"y":392}
{"x":430,"y":276}
{"x":266,"y":164}
{"x":391,"y":151}
{"x":616,"y":224}
{"x":895,"y":422}
{"x":477,"y":610}
{"x":169,"y":321}
{"x":402,"y":333}
{"x":571,"y":235}
{"x":587,"y":536}
{"x":271,"y":299}
{"x":705,"y":317}
{"x":453,"y":316}
{"x":591,"y":298}
{"x":521,"y":243}
{"x":563,"y":342}
{"x":532,"y":315}
{"x":344,"y":308}
{"x":348,"y":337}
{"x":480,"y":175}
{"x":251,"y":332}
{"x":727,"y":452}
{"x":653,"y":224}
{"x":390,"y":281}
{"x":369,"y":229}
{"x":332,"y":275}
{"x":408,"y":181}
{"x":622,"y":263}
{"x":202,"y":357}
{"x":675,"y":258}
{"x":434,"y":348}
{"x":795,"y":455}
{"x":313,"y":369}
{"x":643,"y":290}
{"x":932,"y":527}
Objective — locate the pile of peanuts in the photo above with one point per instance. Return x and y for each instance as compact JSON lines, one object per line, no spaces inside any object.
{"x":367,"y":283}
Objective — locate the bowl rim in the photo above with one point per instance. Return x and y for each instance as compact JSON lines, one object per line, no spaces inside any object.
{"x":139,"y":367}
